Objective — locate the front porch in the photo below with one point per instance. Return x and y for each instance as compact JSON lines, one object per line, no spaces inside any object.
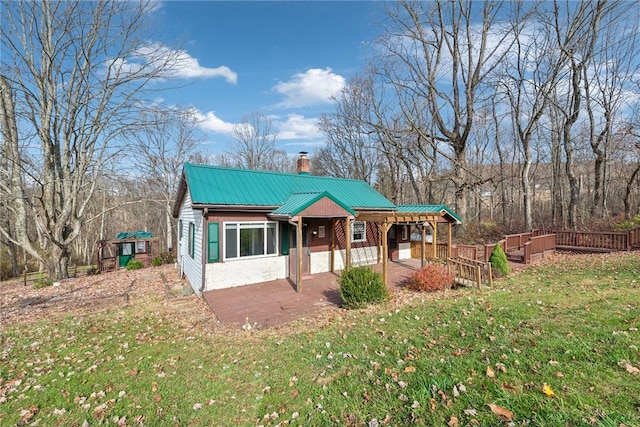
{"x":276,"y":302}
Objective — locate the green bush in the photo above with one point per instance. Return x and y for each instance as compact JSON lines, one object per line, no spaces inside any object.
{"x":93,"y":270}
{"x":157,"y":261}
{"x":134,"y":264}
{"x":42,"y":283}
{"x":360,"y":286}
{"x":499,"y":262}
{"x":167,"y":257}
{"x":431,"y":278}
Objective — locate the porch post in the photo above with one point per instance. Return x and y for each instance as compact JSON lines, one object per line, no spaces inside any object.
{"x":434,"y":238}
{"x":449,"y":227}
{"x":299,"y":251}
{"x":332,"y":244}
{"x":379,"y":245}
{"x":385,"y":252}
{"x":423,"y":244}
{"x":347,"y":231}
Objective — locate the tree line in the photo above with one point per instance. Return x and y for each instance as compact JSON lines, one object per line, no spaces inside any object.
{"x":519,"y":113}
{"x":522,"y":112}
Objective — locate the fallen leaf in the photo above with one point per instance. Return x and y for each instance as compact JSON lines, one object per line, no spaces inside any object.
{"x":490,"y":372}
{"x":508,"y":387}
{"x":553,"y":362}
{"x":501,"y":412}
{"x":154,"y":386}
{"x":410,"y":369}
{"x":453,"y":422}
{"x":629,"y":367}
{"x":133,"y":372}
{"x":546,"y":389}
{"x":434,"y":404}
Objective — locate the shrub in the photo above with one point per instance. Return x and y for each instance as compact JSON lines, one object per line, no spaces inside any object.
{"x":360,"y":286}
{"x":93,"y":270}
{"x":42,"y":283}
{"x":157,"y":261}
{"x":134,"y":264}
{"x":431,"y":278}
{"x":167,"y":257}
{"x":499,"y":262}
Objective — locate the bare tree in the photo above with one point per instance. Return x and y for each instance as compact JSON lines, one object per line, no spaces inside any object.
{"x":438,"y":59}
{"x":167,"y":139}
{"x":73,"y":73}
{"x":254,"y":144}
{"x":529,"y":78}
{"x":607,"y":82}
{"x":349,"y":151}
{"x":577,"y":33}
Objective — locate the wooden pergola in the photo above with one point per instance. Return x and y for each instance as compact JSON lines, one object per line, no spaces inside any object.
{"x":385,"y":220}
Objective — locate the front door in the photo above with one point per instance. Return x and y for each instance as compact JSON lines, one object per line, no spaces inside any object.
{"x":126,"y":253}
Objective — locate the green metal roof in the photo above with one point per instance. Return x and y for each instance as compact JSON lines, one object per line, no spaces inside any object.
{"x":301,"y":201}
{"x":439,"y":209}
{"x":212,"y":185}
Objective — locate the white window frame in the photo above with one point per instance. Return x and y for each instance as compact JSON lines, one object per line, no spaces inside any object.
{"x":251,"y":224}
{"x":141,"y":247}
{"x":364,"y":231}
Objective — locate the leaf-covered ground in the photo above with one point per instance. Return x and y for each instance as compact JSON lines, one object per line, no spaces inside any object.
{"x":554,"y":344}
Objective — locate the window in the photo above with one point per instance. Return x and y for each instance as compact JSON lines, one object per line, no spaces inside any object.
{"x":180,"y":230}
{"x":358,"y":231}
{"x":247,"y":239}
{"x":192,"y":239}
{"x":127,"y":249}
{"x":141,"y":247}
{"x":405,"y":232}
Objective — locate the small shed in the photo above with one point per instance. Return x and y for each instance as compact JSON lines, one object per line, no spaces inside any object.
{"x":116,"y":253}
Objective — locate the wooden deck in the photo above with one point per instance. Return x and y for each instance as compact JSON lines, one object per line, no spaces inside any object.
{"x":277,"y":302}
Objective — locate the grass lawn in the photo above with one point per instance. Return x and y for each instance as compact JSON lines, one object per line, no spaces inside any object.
{"x":551,"y":345}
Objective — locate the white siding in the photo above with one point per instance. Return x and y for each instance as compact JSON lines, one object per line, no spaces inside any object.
{"x":359,"y":256}
{"x":190,"y":267}
{"x":404,"y":250}
{"x":240,"y":272}
{"x":320,"y":262}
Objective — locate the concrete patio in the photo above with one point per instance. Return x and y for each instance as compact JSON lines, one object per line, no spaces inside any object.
{"x":277,"y":302}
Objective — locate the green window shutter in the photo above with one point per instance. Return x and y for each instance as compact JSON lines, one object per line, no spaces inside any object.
{"x":214,"y":248}
{"x":284,"y":237}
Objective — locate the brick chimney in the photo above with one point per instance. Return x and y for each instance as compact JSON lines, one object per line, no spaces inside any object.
{"x":303,"y":164}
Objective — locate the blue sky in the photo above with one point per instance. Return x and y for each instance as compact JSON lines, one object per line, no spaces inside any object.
{"x":283,"y":59}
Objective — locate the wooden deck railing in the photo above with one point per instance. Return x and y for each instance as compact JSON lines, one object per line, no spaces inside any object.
{"x":596,"y":240}
{"x":470,"y":272}
{"x":538,"y":246}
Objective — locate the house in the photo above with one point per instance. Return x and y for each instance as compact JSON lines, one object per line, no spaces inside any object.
{"x":238,"y":227}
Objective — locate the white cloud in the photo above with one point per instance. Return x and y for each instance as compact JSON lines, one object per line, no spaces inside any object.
{"x":313,"y":87}
{"x":297,"y":127}
{"x":177,"y":64}
{"x":211,"y":123}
